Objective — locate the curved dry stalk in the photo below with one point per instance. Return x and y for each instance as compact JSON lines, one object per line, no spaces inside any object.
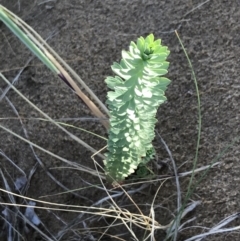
{"x":16,"y":220}
{"x":39,"y":161}
{"x":136,"y":219}
{"x":175,"y":169}
{"x":46,"y":54}
{"x":78,"y":166}
{"x":218,"y":228}
{"x":129,"y":217}
{"x":50,"y":119}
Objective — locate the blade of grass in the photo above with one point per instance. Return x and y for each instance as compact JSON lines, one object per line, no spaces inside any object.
{"x":50,"y":119}
{"x":39,"y":161}
{"x":192,"y":187}
{"x":29,"y":30}
{"x":36,"y":44}
{"x":62,"y":123}
{"x":8,"y":21}
{"x":78,"y":166}
{"x":190,"y":190}
{"x":199,"y":115}
{"x":176,"y":223}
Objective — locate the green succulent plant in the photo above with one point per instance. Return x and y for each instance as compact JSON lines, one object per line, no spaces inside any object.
{"x":137,"y":92}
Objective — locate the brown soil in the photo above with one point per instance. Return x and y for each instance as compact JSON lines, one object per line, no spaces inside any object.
{"x":90,"y":36}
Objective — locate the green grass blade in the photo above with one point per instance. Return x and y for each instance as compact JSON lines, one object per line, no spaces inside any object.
{"x":7,"y":20}
{"x":199,"y":115}
{"x":189,"y":189}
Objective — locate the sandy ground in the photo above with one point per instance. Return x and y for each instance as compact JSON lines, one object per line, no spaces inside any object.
{"x":90,"y":35}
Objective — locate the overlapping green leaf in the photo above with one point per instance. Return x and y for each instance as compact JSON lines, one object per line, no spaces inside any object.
{"x":137,"y":92}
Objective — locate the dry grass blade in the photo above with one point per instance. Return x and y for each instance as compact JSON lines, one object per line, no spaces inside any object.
{"x":43,"y":51}
{"x":116,"y":207}
{"x":78,"y":166}
{"x":49,"y":118}
{"x":100,"y":202}
{"x":121,"y":214}
{"x":179,"y":205}
{"x":31,"y":147}
{"x":218,"y":228}
{"x":4,"y":92}
{"x":12,"y":162}
{"x":18,"y":221}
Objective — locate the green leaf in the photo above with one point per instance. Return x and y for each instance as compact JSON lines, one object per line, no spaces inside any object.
{"x":133,"y":103}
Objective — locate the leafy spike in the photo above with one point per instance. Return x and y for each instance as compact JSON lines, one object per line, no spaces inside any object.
{"x":138,"y":90}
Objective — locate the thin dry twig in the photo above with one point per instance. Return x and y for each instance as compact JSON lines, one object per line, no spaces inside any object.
{"x":218,"y":228}
{"x":179,"y":205}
